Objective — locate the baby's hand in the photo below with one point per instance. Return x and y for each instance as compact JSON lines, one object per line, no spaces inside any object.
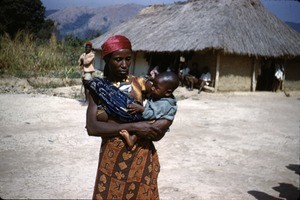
{"x":134,"y":108}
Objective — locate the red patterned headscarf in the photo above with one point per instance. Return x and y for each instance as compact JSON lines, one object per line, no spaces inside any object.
{"x":115,"y":43}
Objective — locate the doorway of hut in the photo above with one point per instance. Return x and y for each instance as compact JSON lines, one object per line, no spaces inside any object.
{"x":266,"y":75}
{"x":163,"y":61}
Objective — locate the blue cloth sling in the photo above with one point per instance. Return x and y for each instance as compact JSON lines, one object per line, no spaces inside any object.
{"x":113,"y":100}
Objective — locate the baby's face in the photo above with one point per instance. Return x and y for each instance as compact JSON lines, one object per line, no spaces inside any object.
{"x":158,"y":89}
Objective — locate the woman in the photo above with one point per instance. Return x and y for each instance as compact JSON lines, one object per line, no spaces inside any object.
{"x":124,"y":174}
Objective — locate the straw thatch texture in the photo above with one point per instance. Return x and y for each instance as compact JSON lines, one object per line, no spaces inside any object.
{"x":242,"y":27}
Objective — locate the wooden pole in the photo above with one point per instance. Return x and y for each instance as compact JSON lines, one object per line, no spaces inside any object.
{"x":253,"y":81}
{"x":283,"y":78}
{"x":133,"y":64}
{"x":217,"y":72}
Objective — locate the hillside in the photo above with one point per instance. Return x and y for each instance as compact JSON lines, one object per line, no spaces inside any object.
{"x":84,"y":22}
{"x":49,"y":12}
{"x":295,"y":26}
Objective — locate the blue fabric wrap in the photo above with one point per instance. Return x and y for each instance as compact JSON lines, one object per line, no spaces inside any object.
{"x":113,"y":100}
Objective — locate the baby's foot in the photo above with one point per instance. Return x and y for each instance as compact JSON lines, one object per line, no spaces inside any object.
{"x":129,"y":140}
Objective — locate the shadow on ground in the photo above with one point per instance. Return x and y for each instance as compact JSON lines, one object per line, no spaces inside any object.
{"x":286,"y":191}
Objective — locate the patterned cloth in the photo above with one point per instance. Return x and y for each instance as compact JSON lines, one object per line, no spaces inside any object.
{"x":114,"y":100}
{"x":124,"y":174}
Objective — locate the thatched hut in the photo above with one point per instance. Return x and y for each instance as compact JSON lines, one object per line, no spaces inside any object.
{"x":238,"y":39}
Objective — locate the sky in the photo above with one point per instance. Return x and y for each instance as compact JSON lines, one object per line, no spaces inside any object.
{"x":59,"y":4}
{"x":286,"y":10}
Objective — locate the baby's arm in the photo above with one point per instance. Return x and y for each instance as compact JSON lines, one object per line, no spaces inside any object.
{"x":134,"y":108}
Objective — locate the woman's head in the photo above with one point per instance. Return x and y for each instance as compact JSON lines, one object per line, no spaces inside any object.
{"x":117,"y":56}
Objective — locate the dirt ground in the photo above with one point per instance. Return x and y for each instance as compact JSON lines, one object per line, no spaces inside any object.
{"x":229,"y":146}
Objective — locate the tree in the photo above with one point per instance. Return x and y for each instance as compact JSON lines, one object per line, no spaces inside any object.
{"x":47,"y":29}
{"x":28,"y":15}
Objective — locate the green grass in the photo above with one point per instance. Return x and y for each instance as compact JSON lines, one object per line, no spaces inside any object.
{"x":24,"y":57}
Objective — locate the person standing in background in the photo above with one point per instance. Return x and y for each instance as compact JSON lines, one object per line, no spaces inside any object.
{"x":205,"y":78}
{"x":278,"y":77}
{"x":86,"y":62}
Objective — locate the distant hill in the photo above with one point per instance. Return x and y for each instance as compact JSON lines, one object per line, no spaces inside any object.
{"x":85,"y":22}
{"x":49,"y":12}
{"x":295,"y":26}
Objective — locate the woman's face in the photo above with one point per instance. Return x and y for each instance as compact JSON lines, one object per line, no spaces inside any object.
{"x":119,"y":64}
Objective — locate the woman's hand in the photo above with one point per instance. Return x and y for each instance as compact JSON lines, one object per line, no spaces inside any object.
{"x":147,"y":130}
{"x":153,"y":130}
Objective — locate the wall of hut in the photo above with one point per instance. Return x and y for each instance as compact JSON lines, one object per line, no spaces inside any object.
{"x":98,"y":61}
{"x":292,"y":74}
{"x":235,"y":71}
{"x":140,"y":65}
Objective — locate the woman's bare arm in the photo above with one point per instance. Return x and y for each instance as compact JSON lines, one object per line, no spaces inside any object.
{"x":163,"y":125}
{"x":154,"y":131}
{"x":98,"y":128}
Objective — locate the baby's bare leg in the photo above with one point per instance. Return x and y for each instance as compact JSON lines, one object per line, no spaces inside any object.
{"x":130,"y":139}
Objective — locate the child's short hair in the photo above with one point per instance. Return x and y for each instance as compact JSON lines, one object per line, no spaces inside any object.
{"x":170,"y":78}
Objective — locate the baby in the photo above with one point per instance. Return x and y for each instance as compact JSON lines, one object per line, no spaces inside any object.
{"x":161,"y":102}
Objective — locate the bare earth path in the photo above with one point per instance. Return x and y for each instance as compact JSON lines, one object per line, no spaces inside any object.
{"x":221,"y":146}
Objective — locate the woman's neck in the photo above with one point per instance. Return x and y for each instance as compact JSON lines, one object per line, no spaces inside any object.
{"x":115,"y":79}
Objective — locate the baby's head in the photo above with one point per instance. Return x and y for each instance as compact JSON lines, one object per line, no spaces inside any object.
{"x":164,"y":85}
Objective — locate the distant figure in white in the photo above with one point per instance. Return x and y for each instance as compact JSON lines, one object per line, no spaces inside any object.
{"x":278,"y":77}
{"x":205,"y":78}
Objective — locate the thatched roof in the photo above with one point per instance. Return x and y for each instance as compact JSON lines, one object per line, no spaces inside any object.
{"x":243,"y":27}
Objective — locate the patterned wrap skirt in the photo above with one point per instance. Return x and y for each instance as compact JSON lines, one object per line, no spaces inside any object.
{"x":127,"y":174}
